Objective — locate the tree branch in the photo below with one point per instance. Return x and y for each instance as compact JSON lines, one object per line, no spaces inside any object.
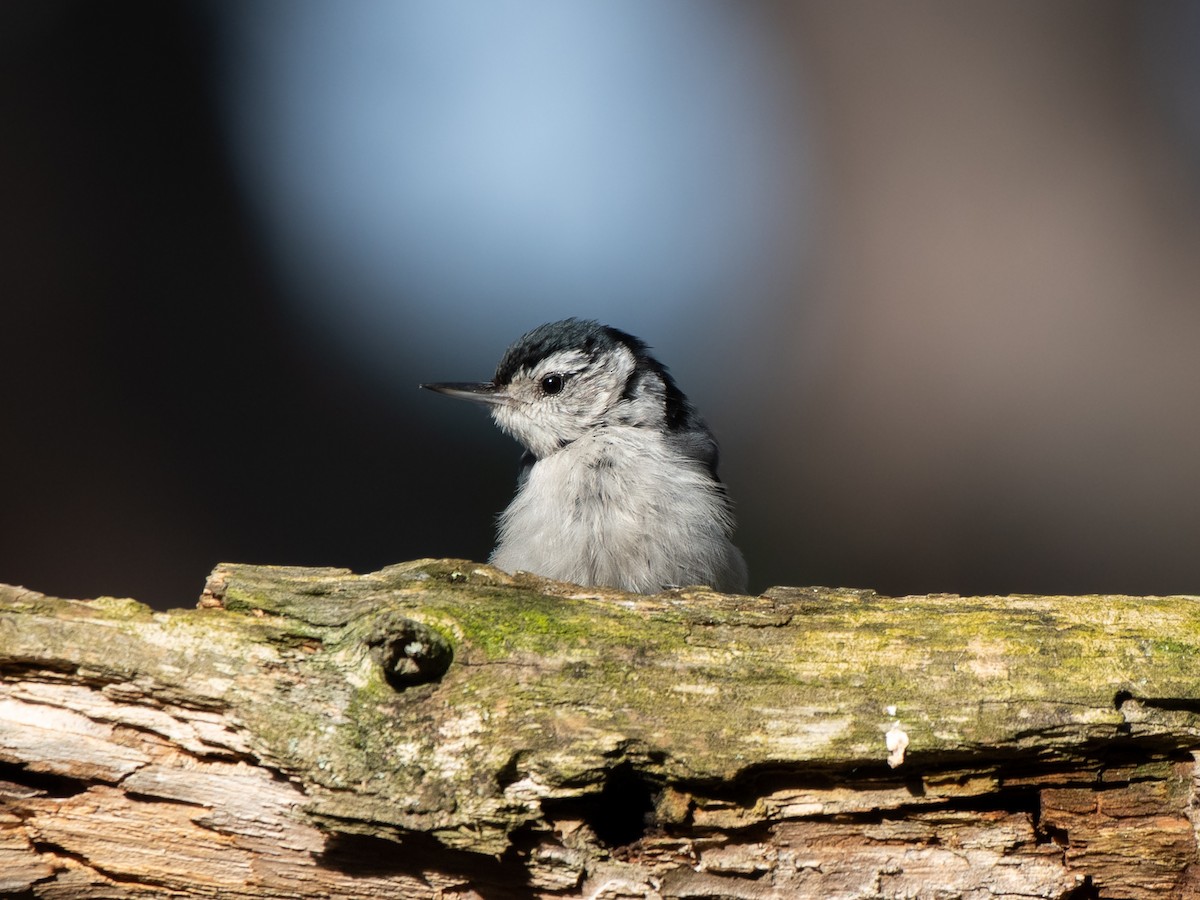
{"x":442,"y":729}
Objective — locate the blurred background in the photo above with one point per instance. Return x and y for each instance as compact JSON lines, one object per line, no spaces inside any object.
{"x":930,"y":270}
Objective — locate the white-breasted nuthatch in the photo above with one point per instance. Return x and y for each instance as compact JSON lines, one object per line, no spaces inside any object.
{"x":618,"y":483}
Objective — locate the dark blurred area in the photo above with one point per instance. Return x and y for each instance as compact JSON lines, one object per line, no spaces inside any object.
{"x":959,"y":354}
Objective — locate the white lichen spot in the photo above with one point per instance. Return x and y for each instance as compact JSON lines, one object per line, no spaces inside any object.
{"x":990,"y":661}
{"x":797,"y":729}
{"x":458,"y":739}
{"x":707,"y":690}
{"x":897,"y":744}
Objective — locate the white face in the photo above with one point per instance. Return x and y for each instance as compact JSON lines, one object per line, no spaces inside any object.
{"x":561,"y":397}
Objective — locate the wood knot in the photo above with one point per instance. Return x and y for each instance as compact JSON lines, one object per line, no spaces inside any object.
{"x":408,"y":652}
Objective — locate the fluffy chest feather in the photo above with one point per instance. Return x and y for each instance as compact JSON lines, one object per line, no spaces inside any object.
{"x":618,"y":507}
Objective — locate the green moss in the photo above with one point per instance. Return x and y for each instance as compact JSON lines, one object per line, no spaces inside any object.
{"x":122,"y":608}
{"x":508,"y":621}
{"x":1182,"y":652}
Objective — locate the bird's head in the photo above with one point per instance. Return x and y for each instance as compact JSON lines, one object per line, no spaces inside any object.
{"x":563,"y":379}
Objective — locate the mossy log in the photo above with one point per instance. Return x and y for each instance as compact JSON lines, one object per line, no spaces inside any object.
{"x":442,"y":729}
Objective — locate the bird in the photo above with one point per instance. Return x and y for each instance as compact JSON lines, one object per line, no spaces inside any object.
{"x":618,"y":481}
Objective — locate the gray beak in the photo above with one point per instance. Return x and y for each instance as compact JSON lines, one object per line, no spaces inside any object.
{"x":478,"y":391}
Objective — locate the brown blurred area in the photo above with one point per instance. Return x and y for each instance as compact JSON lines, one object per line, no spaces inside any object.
{"x":1002,"y":394}
{"x":1010,"y":229}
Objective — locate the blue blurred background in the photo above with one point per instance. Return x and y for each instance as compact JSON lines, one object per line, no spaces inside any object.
{"x":930,"y":270}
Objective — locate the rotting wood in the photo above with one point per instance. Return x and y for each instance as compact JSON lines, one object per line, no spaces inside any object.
{"x":442,"y":729}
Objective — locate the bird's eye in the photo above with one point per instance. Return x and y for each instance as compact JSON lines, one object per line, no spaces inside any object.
{"x":552,"y":384}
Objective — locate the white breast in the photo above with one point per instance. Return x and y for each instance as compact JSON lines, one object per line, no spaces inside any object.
{"x":620,"y":508}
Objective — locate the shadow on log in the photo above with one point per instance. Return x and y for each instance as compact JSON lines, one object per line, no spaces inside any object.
{"x":441,"y":729}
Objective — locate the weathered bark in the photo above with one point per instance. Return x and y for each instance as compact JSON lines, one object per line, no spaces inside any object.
{"x":441,"y":729}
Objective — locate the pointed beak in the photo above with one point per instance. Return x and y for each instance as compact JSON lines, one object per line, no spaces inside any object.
{"x":478,"y":391}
